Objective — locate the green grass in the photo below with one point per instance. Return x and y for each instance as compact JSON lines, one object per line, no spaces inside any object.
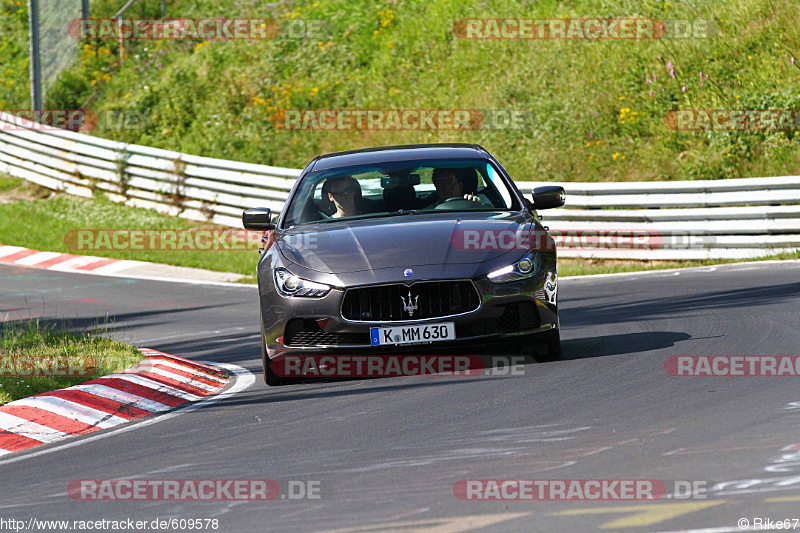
{"x":18,"y":189}
{"x":7,"y":183}
{"x":23,"y":342}
{"x":594,"y":117}
{"x":43,"y":224}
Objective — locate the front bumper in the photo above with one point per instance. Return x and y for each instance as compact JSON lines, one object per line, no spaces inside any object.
{"x":294,"y":326}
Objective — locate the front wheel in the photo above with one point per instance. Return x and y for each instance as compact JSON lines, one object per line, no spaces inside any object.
{"x":270,"y":377}
{"x":552,"y":345}
{"x":543,"y":347}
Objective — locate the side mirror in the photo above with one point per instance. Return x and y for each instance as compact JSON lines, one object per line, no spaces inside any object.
{"x":258,"y":218}
{"x":548,"y":197}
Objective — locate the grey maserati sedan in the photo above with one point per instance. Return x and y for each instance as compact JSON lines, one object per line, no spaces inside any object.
{"x":382,"y":249}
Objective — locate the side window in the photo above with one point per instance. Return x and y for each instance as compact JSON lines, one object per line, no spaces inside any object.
{"x":425,"y":180}
{"x":481,"y":182}
{"x":370,"y":186}
{"x":498,"y":187}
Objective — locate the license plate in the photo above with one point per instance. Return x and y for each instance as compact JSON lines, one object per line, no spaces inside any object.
{"x":445,"y":331}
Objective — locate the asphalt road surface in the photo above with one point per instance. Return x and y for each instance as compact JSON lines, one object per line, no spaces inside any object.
{"x":385,"y":454}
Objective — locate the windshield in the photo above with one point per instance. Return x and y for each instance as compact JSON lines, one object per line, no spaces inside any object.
{"x":408,"y":187}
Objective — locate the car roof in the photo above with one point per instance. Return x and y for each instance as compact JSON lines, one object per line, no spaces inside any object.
{"x":408,"y":152}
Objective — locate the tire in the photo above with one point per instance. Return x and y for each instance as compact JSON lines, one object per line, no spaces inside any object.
{"x":552,"y":340}
{"x":270,"y":378}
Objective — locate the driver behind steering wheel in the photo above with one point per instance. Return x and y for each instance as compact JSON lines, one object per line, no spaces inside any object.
{"x":449,"y":185}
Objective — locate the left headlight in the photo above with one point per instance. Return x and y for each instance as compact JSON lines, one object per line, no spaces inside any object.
{"x":290,"y":285}
{"x":524,"y":268}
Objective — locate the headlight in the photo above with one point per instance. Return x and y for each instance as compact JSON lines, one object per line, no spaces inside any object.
{"x":524,"y":268}
{"x":290,"y":285}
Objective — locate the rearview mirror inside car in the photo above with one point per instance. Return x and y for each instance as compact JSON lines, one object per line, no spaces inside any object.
{"x":400,"y":180}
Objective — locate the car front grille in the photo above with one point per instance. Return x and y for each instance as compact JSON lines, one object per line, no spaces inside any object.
{"x":306,"y":332}
{"x":401,"y":302}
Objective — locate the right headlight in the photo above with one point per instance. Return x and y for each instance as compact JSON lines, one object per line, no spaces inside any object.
{"x":524,"y":268}
{"x":290,"y":285}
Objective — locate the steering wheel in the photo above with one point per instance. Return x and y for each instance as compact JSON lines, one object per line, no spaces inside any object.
{"x":458,"y":202}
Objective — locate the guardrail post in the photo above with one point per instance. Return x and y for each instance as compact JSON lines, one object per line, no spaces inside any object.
{"x":207,"y":208}
{"x":178,"y":192}
{"x":122,"y":171}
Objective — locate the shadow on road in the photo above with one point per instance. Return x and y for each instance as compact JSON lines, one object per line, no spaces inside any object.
{"x":675,"y":306}
{"x":623,"y":343}
{"x":333,"y":389}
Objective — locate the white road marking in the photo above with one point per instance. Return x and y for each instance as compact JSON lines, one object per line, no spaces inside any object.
{"x":10,"y":250}
{"x":186,"y":368}
{"x":36,"y":258}
{"x":71,"y":264}
{"x":119,"y":268}
{"x":29,"y":429}
{"x":121,"y":396}
{"x":244,"y":379}
{"x":116,"y":266}
{"x":167,"y":374}
{"x":75,"y":411}
{"x":191,"y":362}
{"x":122,"y":274}
{"x":155,"y":385}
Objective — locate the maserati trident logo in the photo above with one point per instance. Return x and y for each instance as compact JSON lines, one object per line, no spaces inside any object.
{"x":410,"y":306}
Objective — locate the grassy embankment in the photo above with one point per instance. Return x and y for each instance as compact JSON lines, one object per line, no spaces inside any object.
{"x":37,"y":357}
{"x":598,"y":106}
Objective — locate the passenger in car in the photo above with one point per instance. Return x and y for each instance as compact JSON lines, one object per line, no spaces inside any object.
{"x":345,"y":193}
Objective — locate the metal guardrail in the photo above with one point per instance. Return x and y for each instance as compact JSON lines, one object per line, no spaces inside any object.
{"x":735,"y":218}
{"x":198,"y":188}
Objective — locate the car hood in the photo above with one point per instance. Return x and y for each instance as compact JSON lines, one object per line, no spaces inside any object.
{"x":401,"y":241}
